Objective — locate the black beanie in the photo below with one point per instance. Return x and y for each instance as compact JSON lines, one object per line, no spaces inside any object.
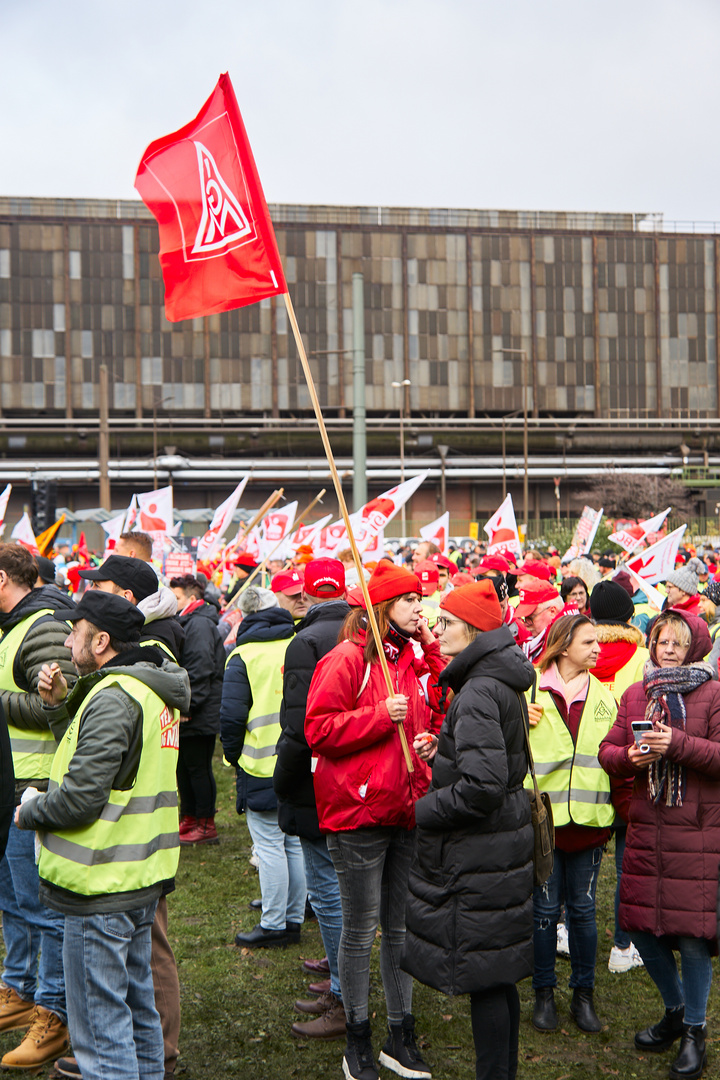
{"x":610,"y":603}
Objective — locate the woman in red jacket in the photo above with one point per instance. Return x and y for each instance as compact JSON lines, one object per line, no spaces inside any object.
{"x":668,"y":890}
{"x":366,"y":798}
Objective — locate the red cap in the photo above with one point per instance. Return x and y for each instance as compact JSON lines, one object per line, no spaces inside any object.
{"x":476,"y":604}
{"x":442,"y":560}
{"x":427,"y":571}
{"x":461,"y":578}
{"x":246,"y":562}
{"x":355,"y":597}
{"x":287,"y":581}
{"x":536,"y":569}
{"x":389,"y":581}
{"x":532,"y":598}
{"x":324,"y":572}
{"x":494,"y":562}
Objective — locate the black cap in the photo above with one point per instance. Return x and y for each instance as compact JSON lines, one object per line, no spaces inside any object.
{"x":610,"y":603}
{"x":128,"y":573}
{"x":46,"y":569}
{"x":109,"y":612}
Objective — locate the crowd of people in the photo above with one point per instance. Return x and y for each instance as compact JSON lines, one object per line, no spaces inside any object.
{"x":381,"y":733}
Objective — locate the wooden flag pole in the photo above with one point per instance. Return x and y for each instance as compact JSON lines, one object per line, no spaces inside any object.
{"x":346,"y":518}
{"x":267,"y":505}
{"x":261,"y":568}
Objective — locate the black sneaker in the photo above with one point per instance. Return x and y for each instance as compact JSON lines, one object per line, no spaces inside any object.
{"x":400,"y":1052}
{"x":260,"y":938}
{"x":358,"y":1062}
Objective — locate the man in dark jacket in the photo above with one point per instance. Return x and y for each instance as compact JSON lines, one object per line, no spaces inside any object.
{"x":34,"y":992}
{"x":316,"y":635}
{"x":249,"y":729}
{"x":203,"y":658}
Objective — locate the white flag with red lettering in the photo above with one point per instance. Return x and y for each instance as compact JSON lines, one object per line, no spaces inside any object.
{"x":634,"y":535}
{"x":502,"y":530}
{"x":371,"y":518}
{"x":656,"y":562}
{"x":307,"y":535}
{"x":438,"y":532}
{"x":275,"y":527}
{"x":23,"y":533}
{"x":210,"y":543}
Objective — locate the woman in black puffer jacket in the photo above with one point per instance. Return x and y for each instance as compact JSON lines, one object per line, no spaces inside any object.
{"x":470,"y":915}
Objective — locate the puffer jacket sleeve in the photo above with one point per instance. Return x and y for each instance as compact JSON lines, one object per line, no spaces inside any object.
{"x":44,"y":643}
{"x":203,"y":657}
{"x":613,"y":750}
{"x":293,"y":752}
{"x":481,"y":757}
{"x":234,"y":708}
{"x":696,"y":752}
{"x":334,"y":725}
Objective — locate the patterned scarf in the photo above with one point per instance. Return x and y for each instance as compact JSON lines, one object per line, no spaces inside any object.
{"x":664,"y":688}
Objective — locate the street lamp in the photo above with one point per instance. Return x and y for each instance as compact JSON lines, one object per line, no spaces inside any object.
{"x":526,"y":499}
{"x":401,"y":386}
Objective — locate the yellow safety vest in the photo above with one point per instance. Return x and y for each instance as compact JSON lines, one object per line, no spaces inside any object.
{"x":264,"y":663}
{"x":431,"y":607}
{"x":578,"y":786}
{"x":134,"y":843}
{"x":160,"y":645}
{"x":32,"y":748}
{"x":628,"y":674}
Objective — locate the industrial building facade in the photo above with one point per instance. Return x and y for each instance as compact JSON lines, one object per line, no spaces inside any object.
{"x":594,"y":314}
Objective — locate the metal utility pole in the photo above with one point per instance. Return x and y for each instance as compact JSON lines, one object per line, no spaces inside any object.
{"x":104,"y":439}
{"x":359,"y":429}
{"x":401,"y":386}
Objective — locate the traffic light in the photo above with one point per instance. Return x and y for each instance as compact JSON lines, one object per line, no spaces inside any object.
{"x":43,"y":504}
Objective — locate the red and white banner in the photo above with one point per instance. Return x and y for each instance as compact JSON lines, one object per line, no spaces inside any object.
{"x":130,"y":515}
{"x":4,"y":497}
{"x":632,"y":536}
{"x":275,"y":527}
{"x":24,"y":534}
{"x":210,"y":543}
{"x":307,"y":535}
{"x":656,"y":562}
{"x":155,"y":511}
{"x":370,"y":519}
{"x":585,"y":531}
{"x":502,"y":530}
{"x":178,"y":564}
{"x":438,"y":532}
{"x":217,"y":244}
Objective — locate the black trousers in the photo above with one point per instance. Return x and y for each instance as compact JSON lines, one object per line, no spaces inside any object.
{"x":196,"y":781}
{"x":495,"y":1015}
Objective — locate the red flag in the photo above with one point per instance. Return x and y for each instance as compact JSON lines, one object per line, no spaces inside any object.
{"x":217,"y":244}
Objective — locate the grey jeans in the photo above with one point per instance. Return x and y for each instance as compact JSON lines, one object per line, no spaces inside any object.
{"x":372,"y":867}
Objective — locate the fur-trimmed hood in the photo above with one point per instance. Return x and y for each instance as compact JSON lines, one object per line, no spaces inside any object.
{"x":608,"y":632}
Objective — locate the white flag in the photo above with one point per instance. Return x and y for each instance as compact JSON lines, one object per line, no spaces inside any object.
{"x":211,"y":542}
{"x":656,"y":562}
{"x":370,"y":519}
{"x":307,"y":535}
{"x":502,"y":530}
{"x":3,"y":503}
{"x":24,"y":534}
{"x":654,"y":597}
{"x":112,"y":530}
{"x":155,"y":511}
{"x":634,"y":535}
{"x":275,"y":527}
{"x":438,"y":532}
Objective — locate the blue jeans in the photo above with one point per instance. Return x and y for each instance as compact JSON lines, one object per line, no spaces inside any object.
{"x":659,"y":961}
{"x":324,"y":896}
{"x":281,"y":871}
{"x":373,"y":866}
{"x":622,"y":938}
{"x":574,"y":880}
{"x":114,"y":1025}
{"x":30,"y":928}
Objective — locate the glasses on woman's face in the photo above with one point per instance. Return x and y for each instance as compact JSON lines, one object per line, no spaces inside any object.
{"x":670,"y":645}
{"x":443,"y":623}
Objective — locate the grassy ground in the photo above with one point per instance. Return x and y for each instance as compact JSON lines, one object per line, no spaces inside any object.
{"x":238,"y":1006}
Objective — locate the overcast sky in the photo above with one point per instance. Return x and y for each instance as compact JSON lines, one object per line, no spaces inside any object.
{"x":522,"y":104}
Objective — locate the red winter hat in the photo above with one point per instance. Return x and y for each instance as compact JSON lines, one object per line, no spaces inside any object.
{"x":289,"y":582}
{"x":246,"y":562}
{"x":427,"y":571}
{"x":532,"y":598}
{"x":389,"y":581}
{"x":494,"y":562}
{"x":442,"y":560}
{"x":323,"y":572}
{"x":536,"y":569}
{"x":476,"y":604}
{"x":461,"y":578}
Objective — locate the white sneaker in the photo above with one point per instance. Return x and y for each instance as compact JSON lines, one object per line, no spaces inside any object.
{"x":563,"y":946}
{"x":254,"y":861}
{"x":624,"y":959}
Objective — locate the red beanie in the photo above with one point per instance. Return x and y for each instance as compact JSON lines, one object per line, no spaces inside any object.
{"x":476,"y":604}
{"x":389,"y":581}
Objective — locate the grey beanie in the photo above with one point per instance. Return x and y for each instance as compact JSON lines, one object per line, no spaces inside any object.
{"x":684,"y":579}
{"x":696,"y":565}
{"x":256,"y":599}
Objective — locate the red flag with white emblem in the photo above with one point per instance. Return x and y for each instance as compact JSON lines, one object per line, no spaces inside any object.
{"x":217,"y":244}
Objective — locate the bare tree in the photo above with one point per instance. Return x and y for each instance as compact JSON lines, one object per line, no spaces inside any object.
{"x":635,"y":495}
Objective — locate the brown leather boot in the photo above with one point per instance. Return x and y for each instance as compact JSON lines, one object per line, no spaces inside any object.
{"x":330,"y":1025}
{"x":15,"y":1012}
{"x":187,"y":822}
{"x":203,"y":831}
{"x":45,"y":1040}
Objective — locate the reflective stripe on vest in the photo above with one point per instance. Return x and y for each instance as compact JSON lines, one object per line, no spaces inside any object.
{"x":264,"y":664}
{"x":628,"y":674}
{"x":160,"y":645}
{"x":33,"y":749}
{"x":578,"y":786}
{"x":134,"y":842}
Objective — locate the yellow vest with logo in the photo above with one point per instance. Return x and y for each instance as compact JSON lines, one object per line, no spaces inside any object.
{"x":264,"y":662}
{"x":134,"y":843}
{"x":628,"y":674}
{"x":32,"y":748}
{"x":578,"y":786}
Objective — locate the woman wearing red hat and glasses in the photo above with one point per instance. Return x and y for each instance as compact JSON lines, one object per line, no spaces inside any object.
{"x":366,"y":797}
{"x":470,"y":911}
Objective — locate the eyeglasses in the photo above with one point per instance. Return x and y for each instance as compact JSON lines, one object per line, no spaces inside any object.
{"x":671,"y":645}
{"x":442,"y":624}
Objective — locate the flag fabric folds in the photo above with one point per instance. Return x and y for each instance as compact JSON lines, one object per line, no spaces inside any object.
{"x":210,"y":543}
{"x":437,"y":532}
{"x":656,"y":562}
{"x":217,"y":244}
{"x":502,"y":530}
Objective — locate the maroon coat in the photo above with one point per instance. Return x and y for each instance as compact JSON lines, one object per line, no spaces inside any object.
{"x":669,"y":879}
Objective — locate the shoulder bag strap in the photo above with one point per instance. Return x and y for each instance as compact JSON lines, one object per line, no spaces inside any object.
{"x":526,"y":729}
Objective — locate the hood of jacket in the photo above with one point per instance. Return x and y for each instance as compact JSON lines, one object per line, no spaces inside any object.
{"x":611,"y":632}
{"x":35,"y":600}
{"x":272,"y":624}
{"x":167,"y":680}
{"x":159,"y":605}
{"x":494,"y":655}
{"x":331,"y":609}
{"x":57,"y":599}
{"x":205,"y":611}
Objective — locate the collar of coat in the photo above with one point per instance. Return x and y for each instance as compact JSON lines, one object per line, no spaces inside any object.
{"x":608,"y":632}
